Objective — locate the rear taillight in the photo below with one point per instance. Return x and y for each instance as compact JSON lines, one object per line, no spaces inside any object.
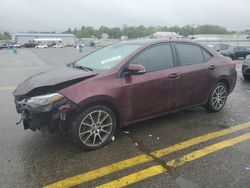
{"x":233,"y":64}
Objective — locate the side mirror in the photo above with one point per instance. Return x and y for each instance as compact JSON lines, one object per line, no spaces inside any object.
{"x":135,"y":69}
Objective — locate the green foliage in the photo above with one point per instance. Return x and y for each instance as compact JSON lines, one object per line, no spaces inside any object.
{"x":115,"y":33}
{"x":5,"y":36}
{"x":68,"y":31}
{"x":136,"y":32}
{"x":142,"y":31}
{"x":103,"y":29}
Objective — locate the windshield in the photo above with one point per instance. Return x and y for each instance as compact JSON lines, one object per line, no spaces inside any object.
{"x":107,"y":57}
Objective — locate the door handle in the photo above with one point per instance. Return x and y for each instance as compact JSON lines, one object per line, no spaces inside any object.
{"x":174,"y":76}
{"x":212,"y":67}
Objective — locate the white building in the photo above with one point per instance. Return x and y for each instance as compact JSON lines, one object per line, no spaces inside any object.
{"x":123,"y":38}
{"x":22,"y":38}
{"x":165,"y":35}
{"x":104,"y":36}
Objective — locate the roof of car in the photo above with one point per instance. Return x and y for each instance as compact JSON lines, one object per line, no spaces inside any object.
{"x":148,"y":42}
{"x":154,"y":41}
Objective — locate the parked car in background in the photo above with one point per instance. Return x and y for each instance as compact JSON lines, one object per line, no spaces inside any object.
{"x":124,"y":83}
{"x":246,"y":68}
{"x":241,"y":52}
{"x":220,"y":47}
{"x":29,"y":45}
{"x":229,"y":53}
{"x":17,"y":45}
{"x":80,"y":44}
{"x":236,"y":52}
{"x":7,"y":44}
{"x":4,"y":45}
{"x":59,"y":45}
{"x":93,"y":43}
{"x":51,"y":44}
{"x":70,"y":45}
{"x":211,"y":45}
{"x":41,"y":46}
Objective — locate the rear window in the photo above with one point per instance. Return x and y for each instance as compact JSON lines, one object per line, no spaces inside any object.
{"x":190,"y":54}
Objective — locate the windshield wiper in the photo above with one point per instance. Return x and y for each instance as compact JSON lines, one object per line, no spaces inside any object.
{"x":82,"y":67}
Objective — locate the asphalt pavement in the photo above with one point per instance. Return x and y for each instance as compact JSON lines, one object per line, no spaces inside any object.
{"x":191,"y":148}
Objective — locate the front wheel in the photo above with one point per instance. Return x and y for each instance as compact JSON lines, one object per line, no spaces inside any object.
{"x":217,"y":98}
{"x":94,"y":127}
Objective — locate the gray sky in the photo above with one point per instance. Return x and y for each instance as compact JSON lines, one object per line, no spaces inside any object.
{"x":58,"y":15}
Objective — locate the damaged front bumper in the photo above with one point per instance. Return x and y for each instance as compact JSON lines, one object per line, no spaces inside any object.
{"x":40,"y":112}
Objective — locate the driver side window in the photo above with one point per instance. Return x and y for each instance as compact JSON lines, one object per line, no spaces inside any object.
{"x":155,"y":58}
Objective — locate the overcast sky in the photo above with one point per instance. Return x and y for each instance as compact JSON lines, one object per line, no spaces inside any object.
{"x":58,"y":15}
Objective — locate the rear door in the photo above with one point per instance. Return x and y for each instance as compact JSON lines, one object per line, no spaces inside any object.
{"x":196,"y":70}
{"x":155,"y":91}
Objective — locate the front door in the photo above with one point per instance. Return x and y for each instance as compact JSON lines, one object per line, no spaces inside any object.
{"x":156,"y":91}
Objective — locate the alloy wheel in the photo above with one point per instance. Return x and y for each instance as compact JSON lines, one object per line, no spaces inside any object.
{"x":219,"y":97}
{"x":95,"y":128}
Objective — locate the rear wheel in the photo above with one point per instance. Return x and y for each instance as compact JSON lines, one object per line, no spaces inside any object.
{"x":94,"y":127}
{"x":217,"y":98}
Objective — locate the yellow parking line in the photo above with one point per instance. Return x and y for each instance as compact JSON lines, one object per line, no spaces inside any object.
{"x":155,"y":170}
{"x":97,"y":173}
{"x":7,"y":88}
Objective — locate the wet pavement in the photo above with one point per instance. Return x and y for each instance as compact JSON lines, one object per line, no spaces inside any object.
{"x":27,"y":159}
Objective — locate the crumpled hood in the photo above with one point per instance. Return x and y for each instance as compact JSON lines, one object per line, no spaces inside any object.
{"x":52,"y":79}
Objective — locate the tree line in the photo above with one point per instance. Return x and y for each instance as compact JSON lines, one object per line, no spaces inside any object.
{"x":141,"y":31}
{"x":135,"y":31}
{"x":5,"y":36}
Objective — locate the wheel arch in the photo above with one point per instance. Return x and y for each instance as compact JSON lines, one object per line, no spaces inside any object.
{"x":105,"y":101}
{"x":226,"y":82}
{"x":220,"y":80}
{"x":208,"y":105}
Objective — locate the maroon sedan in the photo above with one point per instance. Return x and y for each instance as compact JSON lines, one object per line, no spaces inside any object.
{"x":124,"y":83}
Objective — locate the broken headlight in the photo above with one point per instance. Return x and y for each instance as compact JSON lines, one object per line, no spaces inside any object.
{"x":44,"y":100}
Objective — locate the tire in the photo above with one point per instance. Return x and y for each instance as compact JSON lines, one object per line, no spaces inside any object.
{"x":247,"y":77}
{"x":217,"y":98}
{"x":94,"y":127}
